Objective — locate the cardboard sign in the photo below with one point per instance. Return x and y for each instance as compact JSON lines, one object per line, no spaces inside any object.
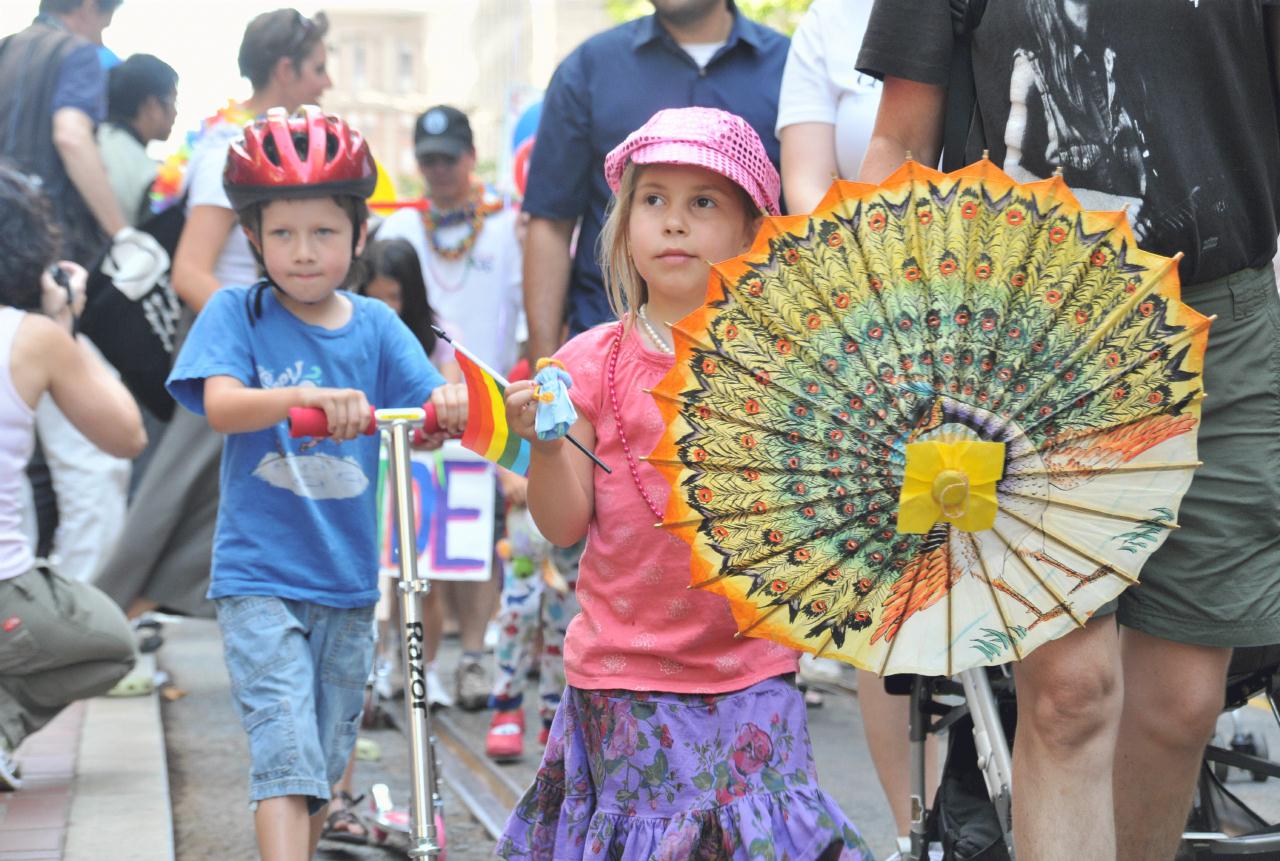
{"x":453,"y":492}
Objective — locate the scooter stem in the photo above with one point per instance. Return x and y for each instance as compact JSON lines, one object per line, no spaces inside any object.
{"x":425,"y":790}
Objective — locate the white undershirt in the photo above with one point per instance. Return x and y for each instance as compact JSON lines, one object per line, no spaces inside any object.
{"x":701,"y":52}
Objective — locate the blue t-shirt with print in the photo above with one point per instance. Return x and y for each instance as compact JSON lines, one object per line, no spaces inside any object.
{"x":297,"y":516}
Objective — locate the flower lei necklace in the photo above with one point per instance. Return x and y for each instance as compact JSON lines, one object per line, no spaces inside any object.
{"x":167,"y":188}
{"x":472,"y":213}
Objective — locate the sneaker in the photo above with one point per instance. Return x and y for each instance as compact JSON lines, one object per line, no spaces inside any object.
{"x":473,"y":685}
{"x":437,"y":694}
{"x":10,"y":773}
{"x":819,"y":670}
{"x":904,"y":851}
{"x":505,"y":739}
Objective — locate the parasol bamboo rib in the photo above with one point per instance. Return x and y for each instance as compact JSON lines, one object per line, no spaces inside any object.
{"x":1103,"y":470}
{"x":739,"y":517}
{"x":1073,"y":547}
{"x":1113,"y":319}
{"x":1044,"y":584}
{"x":995,"y":598}
{"x":1094,"y":509}
{"x":1118,"y":376}
{"x":1074,"y":438}
{"x":902,"y":614}
{"x":736,"y":419}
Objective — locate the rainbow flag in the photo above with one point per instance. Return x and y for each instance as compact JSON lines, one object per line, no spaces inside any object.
{"x":487,"y":433}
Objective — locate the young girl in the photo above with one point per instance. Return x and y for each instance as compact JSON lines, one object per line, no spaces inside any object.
{"x":674,"y":738}
{"x":393,"y":274}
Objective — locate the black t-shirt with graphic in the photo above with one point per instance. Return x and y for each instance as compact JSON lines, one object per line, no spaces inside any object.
{"x":1164,"y":105}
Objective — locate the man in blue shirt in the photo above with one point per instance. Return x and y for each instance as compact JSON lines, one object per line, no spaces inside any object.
{"x":689,"y":52}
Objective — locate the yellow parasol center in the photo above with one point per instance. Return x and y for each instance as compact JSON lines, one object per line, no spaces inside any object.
{"x":951,"y":482}
{"x":951,"y":492}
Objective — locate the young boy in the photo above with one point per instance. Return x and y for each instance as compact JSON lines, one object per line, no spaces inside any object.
{"x":295,"y":556}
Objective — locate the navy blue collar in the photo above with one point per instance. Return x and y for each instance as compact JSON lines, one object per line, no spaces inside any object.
{"x":744,"y":30}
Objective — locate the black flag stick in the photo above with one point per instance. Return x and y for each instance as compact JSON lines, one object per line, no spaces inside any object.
{"x":502,"y":381}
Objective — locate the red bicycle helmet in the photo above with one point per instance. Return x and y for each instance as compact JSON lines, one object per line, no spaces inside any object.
{"x":309,"y":154}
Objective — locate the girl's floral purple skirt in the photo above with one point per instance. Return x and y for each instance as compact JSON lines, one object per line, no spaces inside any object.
{"x":630,"y":775}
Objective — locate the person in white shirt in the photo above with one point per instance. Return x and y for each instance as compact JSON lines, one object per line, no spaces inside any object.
{"x":827,"y":108}
{"x":471,"y":263}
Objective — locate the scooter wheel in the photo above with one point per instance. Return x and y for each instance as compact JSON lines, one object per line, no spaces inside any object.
{"x":440,"y":838}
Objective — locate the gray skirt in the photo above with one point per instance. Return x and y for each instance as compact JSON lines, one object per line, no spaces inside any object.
{"x":166,"y":546}
{"x":1216,"y":581}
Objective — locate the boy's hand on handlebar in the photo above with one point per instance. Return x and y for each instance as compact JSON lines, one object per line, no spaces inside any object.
{"x":450,"y":401}
{"x":346,"y":409}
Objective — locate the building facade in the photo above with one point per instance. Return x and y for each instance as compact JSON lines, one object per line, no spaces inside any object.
{"x":490,"y":58}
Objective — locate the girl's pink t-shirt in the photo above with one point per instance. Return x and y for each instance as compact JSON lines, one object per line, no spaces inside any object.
{"x":641,"y":628}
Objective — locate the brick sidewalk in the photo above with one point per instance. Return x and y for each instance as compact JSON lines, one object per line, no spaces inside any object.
{"x":33,"y":822}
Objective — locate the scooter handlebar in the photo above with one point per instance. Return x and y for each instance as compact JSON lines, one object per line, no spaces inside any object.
{"x":312,"y":422}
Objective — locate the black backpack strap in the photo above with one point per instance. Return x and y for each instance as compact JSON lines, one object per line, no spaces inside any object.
{"x":962,"y":98}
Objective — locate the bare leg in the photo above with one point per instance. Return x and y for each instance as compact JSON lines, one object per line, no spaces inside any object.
{"x":283,"y":828}
{"x":347,"y":780}
{"x":140,"y":606}
{"x":1173,"y":693}
{"x":1069,"y":699}
{"x":884,"y":721}
{"x":317,"y":826}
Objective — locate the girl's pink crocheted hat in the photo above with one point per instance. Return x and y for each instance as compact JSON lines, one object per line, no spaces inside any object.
{"x":705,"y":137}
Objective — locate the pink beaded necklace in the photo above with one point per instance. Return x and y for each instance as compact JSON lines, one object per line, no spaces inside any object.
{"x":617,"y":422}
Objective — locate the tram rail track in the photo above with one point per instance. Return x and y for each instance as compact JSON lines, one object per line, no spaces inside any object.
{"x":485,"y":790}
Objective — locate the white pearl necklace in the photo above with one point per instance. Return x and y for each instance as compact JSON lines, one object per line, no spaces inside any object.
{"x":658,"y":340}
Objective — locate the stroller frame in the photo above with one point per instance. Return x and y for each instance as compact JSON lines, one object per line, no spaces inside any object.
{"x":1253,"y":671}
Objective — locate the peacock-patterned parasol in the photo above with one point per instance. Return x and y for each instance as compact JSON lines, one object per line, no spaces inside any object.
{"x":934,"y":424}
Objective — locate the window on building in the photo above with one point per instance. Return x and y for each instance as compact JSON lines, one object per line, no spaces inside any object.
{"x":359,"y":67}
{"x":404,"y":68}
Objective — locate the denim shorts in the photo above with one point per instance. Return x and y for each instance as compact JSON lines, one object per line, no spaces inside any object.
{"x":298,"y":672}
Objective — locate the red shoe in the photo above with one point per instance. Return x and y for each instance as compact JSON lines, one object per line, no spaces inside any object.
{"x":543,"y":735}
{"x":505,"y":740}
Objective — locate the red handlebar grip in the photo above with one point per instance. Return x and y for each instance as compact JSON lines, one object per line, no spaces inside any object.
{"x":311,"y":421}
{"x":429,"y":424}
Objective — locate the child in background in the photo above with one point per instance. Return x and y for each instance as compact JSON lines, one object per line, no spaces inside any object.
{"x":294,"y":569}
{"x":534,"y":611}
{"x":393,"y":274}
{"x":675,"y":739}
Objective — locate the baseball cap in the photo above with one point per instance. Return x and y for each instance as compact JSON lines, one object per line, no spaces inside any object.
{"x":442,"y":130}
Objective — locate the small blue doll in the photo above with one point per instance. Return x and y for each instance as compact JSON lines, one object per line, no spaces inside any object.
{"x":555,"y":411}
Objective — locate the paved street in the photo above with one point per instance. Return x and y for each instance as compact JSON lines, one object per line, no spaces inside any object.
{"x":100,"y":808}
{"x":208,"y":762}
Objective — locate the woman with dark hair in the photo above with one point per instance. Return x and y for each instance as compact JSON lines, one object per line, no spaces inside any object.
{"x":62,"y":640}
{"x":165,"y":560}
